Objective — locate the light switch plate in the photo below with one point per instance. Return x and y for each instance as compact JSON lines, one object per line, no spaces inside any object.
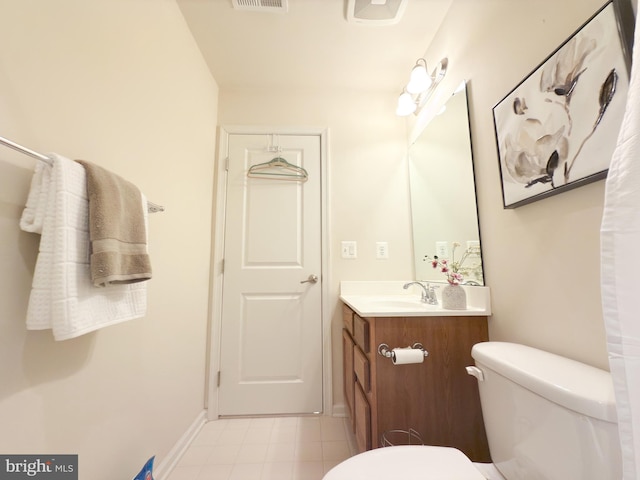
{"x":442,"y":249}
{"x":473,"y":244}
{"x":349,"y":249}
{"x":382,"y":250}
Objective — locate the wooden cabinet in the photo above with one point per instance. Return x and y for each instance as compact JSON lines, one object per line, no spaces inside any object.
{"x":437,"y":398}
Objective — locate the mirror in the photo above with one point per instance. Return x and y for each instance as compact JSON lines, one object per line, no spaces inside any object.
{"x":443,"y":194}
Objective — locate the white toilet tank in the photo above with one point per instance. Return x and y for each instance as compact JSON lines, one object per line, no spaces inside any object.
{"x":547,"y":417}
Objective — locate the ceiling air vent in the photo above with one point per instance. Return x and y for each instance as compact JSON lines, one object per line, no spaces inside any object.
{"x":375,"y":12}
{"x":277,"y":6}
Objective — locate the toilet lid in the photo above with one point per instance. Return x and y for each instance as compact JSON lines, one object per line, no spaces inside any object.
{"x":410,"y":461}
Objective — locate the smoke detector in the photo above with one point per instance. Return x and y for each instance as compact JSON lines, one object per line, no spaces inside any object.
{"x":375,"y":12}
{"x":277,"y":6}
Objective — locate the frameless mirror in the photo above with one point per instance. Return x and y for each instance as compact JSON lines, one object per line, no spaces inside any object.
{"x":443,"y":195}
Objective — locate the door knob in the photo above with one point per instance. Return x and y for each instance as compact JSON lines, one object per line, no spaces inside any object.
{"x":311,"y":279}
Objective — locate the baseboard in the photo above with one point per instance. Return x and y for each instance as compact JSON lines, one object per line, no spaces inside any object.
{"x":162,"y":471}
{"x":339,"y":410}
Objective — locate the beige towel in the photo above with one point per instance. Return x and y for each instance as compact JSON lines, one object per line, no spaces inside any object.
{"x":117,"y":228}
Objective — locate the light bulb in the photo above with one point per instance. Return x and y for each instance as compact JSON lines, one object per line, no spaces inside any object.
{"x":419,"y":81}
{"x":406,"y":105}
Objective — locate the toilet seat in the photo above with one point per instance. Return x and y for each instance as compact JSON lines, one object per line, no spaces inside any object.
{"x":410,"y":461}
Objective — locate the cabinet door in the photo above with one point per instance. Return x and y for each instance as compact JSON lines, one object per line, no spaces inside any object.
{"x":363,"y":420}
{"x":349,"y":381}
{"x":361,"y":369}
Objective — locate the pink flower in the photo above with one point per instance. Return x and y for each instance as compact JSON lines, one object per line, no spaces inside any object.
{"x":450,"y":268}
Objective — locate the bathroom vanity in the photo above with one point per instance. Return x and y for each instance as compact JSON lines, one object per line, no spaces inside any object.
{"x":436,"y":398}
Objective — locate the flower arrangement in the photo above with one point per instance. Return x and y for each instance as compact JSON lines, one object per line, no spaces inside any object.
{"x":453,"y":269}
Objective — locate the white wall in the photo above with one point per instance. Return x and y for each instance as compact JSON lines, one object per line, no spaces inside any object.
{"x":120,"y":83}
{"x":542,"y":259}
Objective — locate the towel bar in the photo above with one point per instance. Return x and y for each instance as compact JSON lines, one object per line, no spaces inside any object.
{"x":151,"y":207}
{"x":385,"y":351}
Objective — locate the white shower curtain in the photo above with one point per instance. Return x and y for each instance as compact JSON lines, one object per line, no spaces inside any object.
{"x":620,"y":269}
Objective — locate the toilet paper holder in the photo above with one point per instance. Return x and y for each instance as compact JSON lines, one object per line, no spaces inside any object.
{"x":385,"y":351}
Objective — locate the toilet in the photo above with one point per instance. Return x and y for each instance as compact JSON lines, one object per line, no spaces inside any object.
{"x":546,"y":417}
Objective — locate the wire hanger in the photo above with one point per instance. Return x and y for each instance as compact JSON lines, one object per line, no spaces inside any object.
{"x":278,"y":168}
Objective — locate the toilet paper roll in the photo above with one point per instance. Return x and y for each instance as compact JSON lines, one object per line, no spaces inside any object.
{"x":403,"y":356}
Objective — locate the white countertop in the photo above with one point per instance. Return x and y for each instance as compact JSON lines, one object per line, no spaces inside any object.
{"x":389,"y":299}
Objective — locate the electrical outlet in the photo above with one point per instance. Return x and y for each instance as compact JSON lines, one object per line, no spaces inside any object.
{"x":382,"y":250}
{"x":349,"y":249}
{"x":442,"y":249}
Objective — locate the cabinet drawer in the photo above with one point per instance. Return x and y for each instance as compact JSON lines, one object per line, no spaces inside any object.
{"x":363,"y":421}
{"x":361,"y":332}
{"x":361,"y":369}
{"x":347,"y":318}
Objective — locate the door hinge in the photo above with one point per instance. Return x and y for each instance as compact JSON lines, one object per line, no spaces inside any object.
{"x":222,"y":266}
{"x":218,"y":381}
{"x":226,"y":164}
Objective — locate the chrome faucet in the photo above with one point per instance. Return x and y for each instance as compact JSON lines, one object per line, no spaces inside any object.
{"x":428,"y":293}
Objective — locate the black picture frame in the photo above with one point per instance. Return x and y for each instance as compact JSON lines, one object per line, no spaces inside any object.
{"x":557,"y":129}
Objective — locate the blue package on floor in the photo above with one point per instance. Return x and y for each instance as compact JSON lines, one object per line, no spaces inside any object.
{"x":147,"y":471}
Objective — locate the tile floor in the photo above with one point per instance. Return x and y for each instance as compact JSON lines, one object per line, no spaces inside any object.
{"x":281,"y":448}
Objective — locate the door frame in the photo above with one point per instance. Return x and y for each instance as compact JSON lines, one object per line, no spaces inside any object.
{"x":217,"y":277}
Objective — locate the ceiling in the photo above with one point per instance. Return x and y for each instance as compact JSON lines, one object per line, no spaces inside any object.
{"x":311,"y":46}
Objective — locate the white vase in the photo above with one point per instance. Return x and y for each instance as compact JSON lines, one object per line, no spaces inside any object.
{"x":454,"y":297}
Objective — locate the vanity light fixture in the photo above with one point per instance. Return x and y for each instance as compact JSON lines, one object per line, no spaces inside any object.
{"x":420,"y":87}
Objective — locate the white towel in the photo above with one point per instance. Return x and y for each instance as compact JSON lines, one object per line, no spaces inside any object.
{"x":33,"y":215}
{"x":62,"y":296}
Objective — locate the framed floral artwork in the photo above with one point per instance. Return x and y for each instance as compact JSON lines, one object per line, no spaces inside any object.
{"x":558,"y":128}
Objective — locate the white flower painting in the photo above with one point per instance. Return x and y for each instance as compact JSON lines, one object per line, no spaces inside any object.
{"x":558,"y":128}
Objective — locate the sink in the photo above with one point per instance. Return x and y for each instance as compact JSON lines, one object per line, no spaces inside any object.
{"x":392,"y":304}
{"x":389,"y":299}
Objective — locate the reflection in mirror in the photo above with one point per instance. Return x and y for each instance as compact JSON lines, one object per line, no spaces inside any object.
{"x":443,"y":195}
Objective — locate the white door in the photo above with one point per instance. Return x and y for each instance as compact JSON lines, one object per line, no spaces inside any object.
{"x":271,"y":328}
